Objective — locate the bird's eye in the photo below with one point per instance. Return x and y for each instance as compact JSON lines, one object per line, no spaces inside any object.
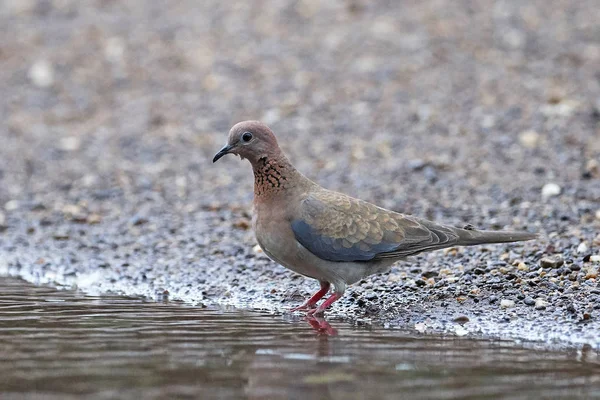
{"x":247,"y":136}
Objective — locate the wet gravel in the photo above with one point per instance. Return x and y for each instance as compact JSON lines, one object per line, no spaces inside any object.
{"x":485,"y":114}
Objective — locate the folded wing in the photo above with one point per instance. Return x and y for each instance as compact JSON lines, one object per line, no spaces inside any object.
{"x":337,"y":227}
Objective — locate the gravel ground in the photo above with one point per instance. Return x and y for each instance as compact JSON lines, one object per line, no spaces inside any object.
{"x":462,"y":112}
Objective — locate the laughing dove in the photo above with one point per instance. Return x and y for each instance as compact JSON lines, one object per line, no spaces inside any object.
{"x":327,"y":235}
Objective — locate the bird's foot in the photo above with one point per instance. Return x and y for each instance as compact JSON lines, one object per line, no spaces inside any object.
{"x":304,"y":307}
{"x":321,"y":309}
{"x":310,"y":303}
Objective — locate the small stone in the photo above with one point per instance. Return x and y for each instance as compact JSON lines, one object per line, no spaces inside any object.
{"x":71,"y":209}
{"x":552,"y":261}
{"x":529,"y":139}
{"x":591,"y":169}
{"x":69,"y":143}
{"x":591,"y":274}
{"x":2,"y":221}
{"x":597,"y":215}
{"x":60,"y":236}
{"x":11,"y":205}
{"x":463,"y":319}
{"x":41,"y":74}
{"x":242,"y":224}
{"x":138,"y":220}
{"x":94,"y":219}
{"x":504,"y":303}
{"x":430,"y":274}
{"x":582,"y":248}
{"x":522,"y":267}
{"x":529,"y":301}
{"x":114,"y":49}
{"x":595,"y":258}
{"x":540,"y":304}
{"x":460,"y":331}
{"x":550,"y":190}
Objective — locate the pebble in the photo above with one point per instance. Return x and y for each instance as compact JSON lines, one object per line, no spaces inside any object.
{"x":460,"y":331}
{"x":504,"y":303}
{"x":529,"y":139}
{"x":595,"y":258}
{"x":11,"y":205}
{"x":582,"y":248}
{"x":138,"y":220}
{"x":552,"y":261}
{"x":529,"y":301}
{"x":60,"y":235}
{"x":114,"y":49}
{"x":463,"y":319}
{"x":94,"y":219}
{"x":41,"y":74}
{"x":69,"y":143}
{"x":522,"y":267}
{"x":550,"y":190}
{"x":2,"y":221}
{"x":591,"y":169}
{"x":540,"y":304}
{"x":591,"y":274}
{"x":430,"y":274}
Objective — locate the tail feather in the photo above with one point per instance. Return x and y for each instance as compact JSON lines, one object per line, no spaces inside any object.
{"x":471,"y":237}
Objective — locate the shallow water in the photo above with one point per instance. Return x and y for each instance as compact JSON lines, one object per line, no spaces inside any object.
{"x":61,"y":344}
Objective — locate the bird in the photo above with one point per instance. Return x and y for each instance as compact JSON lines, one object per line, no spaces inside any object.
{"x":327,"y":235}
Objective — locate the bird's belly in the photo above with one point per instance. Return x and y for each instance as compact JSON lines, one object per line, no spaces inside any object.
{"x":286,"y":253}
{"x":285,"y":250}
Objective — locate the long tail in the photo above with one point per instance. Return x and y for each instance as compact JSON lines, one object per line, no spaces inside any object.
{"x":471,"y":237}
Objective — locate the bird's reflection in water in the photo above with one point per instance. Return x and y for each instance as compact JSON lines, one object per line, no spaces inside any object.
{"x":320,"y":325}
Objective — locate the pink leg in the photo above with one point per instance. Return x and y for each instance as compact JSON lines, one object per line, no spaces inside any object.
{"x":321,"y":309}
{"x":308,"y":304}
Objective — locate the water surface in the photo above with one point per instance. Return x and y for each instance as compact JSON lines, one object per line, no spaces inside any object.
{"x":62,"y":344}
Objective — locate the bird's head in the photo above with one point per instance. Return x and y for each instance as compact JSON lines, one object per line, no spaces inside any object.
{"x":250,"y":139}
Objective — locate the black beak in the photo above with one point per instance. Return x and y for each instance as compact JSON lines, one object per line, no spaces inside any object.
{"x":222,"y":152}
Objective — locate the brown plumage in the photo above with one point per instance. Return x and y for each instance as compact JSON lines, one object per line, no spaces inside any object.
{"x":328,"y":235}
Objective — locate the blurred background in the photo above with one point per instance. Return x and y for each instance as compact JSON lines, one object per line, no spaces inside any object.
{"x":416,"y":105}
